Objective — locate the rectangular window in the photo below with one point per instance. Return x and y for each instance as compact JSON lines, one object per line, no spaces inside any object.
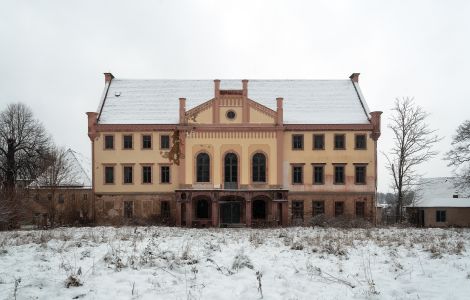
{"x":61,"y":198}
{"x":146,"y":141}
{"x":109,"y":142}
{"x":297,"y":210}
{"x":339,"y":174}
{"x":128,"y":209}
{"x":318,"y":175}
{"x":361,"y":141}
{"x":340,"y":143}
{"x":360,"y":174}
{"x":165,"y":174}
{"x":441,"y":216}
{"x":127,"y":141}
{"x":360,"y":209}
{"x":339,"y":208}
{"x":109,"y":175}
{"x":165,"y":209}
{"x":297,"y":141}
{"x":127,"y":174}
{"x":318,"y":208}
{"x":297,"y":176}
{"x":318,"y":141}
{"x":164,"y":142}
{"x":146,"y":174}
{"x":85,"y":196}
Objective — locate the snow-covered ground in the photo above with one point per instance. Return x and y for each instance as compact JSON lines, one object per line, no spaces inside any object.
{"x":292,"y":263}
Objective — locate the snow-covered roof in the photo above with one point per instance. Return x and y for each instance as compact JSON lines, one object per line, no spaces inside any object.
{"x":439,"y":192}
{"x":133,"y":101}
{"x":439,"y":187}
{"x":80,"y":169}
{"x":444,"y":202}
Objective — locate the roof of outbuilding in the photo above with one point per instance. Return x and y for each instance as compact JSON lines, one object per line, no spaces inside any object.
{"x":439,"y":192}
{"x":134,"y":101}
{"x":443,"y":202}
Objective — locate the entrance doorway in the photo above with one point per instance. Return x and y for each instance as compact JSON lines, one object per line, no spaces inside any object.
{"x":230,"y":212}
{"x":231,"y":171}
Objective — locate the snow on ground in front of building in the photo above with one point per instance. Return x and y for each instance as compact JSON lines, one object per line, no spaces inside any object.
{"x":178,"y":263}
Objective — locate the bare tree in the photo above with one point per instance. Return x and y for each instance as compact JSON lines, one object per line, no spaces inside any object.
{"x":459,"y":155}
{"x":23,"y":144}
{"x":413,"y":143}
{"x":60,"y":173}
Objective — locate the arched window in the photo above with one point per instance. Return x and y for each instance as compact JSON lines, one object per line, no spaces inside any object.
{"x":259,"y":167}
{"x":202,"y":209}
{"x":203,"y":167}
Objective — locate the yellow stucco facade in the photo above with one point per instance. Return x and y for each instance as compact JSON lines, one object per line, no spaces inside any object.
{"x":231,"y":123}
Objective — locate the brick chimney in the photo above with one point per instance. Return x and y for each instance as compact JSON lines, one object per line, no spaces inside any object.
{"x":375,"y":121}
{"x":92,"y":120}
{"x":182,"y":110}
{"x":354,"y":77}
{"x":245,"y":87}
{"x":108,"y":77}
{"x":216,"y":88}
{"x":280,"y":111}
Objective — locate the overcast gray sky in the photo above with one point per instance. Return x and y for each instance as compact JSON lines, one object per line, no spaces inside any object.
{"x":53,"y":53}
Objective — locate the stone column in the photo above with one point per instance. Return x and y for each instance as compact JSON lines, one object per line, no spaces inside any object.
{"x":178,"y":214}
{"x":215,"y":213}
{"x":189,"y":213}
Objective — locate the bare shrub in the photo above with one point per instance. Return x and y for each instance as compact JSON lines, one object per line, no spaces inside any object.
{"x":241,"y":261}
{"x":339,"y":222}
{"x":73,"y":281}
{"x":297,"y":245}
{"x":256,"y":239}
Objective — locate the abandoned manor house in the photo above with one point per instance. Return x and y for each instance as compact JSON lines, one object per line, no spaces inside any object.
{"x":202,"y":153}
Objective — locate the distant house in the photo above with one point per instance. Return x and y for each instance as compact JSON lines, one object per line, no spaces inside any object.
{"x":440,"y":204}
{"x":71,"y":201}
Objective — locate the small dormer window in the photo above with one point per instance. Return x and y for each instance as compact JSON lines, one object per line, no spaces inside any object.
{"x":231,"y":114}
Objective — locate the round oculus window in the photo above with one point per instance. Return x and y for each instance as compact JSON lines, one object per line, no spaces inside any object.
{"x":231,"y":114}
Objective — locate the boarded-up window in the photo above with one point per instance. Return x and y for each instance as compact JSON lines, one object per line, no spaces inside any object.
{"x":108,"y":205}
{"x":147,"y":207}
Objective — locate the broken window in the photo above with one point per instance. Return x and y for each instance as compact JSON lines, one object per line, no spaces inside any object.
{"x":297,"y":142}
{"x":339,"y":208}
{"x":318,"y":208}
{"x":297,"y":210}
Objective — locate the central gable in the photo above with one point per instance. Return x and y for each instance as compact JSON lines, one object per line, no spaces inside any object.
{"x":231,"y":107}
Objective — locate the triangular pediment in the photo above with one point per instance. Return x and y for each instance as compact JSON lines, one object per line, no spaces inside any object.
{"x":231,"y":108}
